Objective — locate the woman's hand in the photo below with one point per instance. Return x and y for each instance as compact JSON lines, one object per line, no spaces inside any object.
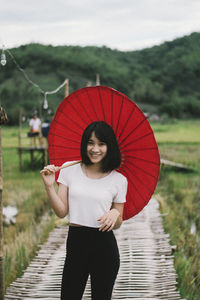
{"x":107,"y":222}
{"x":48,"y":175}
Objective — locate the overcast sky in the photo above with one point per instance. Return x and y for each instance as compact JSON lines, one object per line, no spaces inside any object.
{"x":118,"y":24}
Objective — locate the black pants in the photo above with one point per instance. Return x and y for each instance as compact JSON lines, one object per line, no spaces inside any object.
{"x":90,"y":251}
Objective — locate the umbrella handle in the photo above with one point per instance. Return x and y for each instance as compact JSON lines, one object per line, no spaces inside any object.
{"x":61,"y":167}
{"x":69,"y":165}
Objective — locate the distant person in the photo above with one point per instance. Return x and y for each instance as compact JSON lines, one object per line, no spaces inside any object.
{"x":35,"y":129}
{"x":45,"y":131}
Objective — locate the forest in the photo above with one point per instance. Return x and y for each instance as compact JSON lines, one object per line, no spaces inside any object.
{"x":163,"y":79}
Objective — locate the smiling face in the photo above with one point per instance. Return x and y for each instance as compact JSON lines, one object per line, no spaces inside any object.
{"x":96,"y":150}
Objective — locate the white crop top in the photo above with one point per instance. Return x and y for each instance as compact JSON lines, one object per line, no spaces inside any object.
{"x":89,"y":199}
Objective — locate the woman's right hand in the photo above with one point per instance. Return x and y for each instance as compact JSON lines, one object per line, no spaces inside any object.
{"x":48,"y":175}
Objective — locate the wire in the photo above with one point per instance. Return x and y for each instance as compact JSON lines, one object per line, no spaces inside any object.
{"x":30,"y":81}
{"x":35,"y":84}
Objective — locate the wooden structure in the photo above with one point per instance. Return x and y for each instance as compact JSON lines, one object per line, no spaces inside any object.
{"x":37,"y":155}
{"x":146,"y":270}
{"x":175,"y":165}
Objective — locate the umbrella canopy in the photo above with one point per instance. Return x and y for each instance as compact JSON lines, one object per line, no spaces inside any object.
{"x":139,"y":150}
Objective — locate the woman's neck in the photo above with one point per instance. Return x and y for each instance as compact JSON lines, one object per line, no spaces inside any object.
{"x":96,"y":168}
{"x":94,"y":171}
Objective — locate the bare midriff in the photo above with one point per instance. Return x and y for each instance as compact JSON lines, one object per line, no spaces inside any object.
{"x":75,"y":225}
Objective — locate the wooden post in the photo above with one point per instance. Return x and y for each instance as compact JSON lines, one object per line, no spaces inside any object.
{"x":3,"y":120}
{"x":45,"y":156}
{"x":66,"y":87}
{"x":20,"y":139}
{"x":20,"y":158}
{"x":20,"y":128}
{"x":40,"y":108}
{"x":1,"y":228}
{"x":89,"y":83}
{"x":97,"y":79}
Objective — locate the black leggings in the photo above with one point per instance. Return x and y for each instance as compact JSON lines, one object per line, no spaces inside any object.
{"x":90,"y":251}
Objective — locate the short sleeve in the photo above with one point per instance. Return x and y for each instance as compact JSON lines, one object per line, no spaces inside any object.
{"x":122,"y":190}
{"x":64,"y":175}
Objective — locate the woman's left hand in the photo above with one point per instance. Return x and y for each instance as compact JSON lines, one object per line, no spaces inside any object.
{"x":107,"y":222}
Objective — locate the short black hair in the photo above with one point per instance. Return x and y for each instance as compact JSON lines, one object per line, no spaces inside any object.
{"x":104,"y":133}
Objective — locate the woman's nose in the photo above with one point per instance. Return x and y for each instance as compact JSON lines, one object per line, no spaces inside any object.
{"x":95,"y":148}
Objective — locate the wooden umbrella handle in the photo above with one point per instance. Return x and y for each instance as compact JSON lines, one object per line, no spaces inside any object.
{"x":61,"y":167}
{"x":68,"y":165}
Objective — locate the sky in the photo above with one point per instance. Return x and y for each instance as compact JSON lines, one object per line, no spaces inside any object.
{"x":118,"y":24}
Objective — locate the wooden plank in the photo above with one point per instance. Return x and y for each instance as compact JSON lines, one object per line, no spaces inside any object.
{"x":175,"y":165}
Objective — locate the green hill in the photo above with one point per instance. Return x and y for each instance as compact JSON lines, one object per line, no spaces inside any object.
{"x":163,"y":78}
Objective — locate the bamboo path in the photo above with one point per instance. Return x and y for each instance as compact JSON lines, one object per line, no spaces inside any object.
{"x":146,"y":270}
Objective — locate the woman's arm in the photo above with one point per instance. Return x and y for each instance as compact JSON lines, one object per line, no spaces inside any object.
{"x":59,"y":200}
{"x":119,"y":207}
{"x":113,"y":218}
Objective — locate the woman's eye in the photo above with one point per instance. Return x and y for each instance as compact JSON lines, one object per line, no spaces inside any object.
{"x":90,"y":142}
{"x":101,"y":144}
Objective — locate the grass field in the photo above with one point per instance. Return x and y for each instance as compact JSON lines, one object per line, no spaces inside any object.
{"x":178,"y":193}
{"x":25,"y":191}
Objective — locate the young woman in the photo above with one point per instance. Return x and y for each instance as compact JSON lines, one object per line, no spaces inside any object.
{"x":92,"y":193}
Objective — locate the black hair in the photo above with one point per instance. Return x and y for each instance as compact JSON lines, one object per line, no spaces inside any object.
{"x":104,"y":133}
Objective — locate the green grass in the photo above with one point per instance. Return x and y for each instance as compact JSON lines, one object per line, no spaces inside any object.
{"x":180,"y":194}
{"x":177,"y":131}
{"x":24,"y":190}
{"x":181,"y":201}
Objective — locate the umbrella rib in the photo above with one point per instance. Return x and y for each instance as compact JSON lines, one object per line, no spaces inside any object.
{"x":92,"y":104}
{"x":125,"y":166}
{"x":78,"y":113}
{"x":100,"y":98}
{"x":140,"y":149}
{"x":68,"y":158}
{"x":136,"y":140}
{"x":128,"y":162}
{"x":70,"y":119}
{"x":148,"y":161}
{"x":127,"y":121}
{"x":66,"y":127}
{"x":120,"y":112}
{"x":137,"y":209}
{"x":133,"y":130}
{"x":63,"y":147}
{"x":63,"y":137}
{"x":83,"y":107}
{"x":112,"y":110}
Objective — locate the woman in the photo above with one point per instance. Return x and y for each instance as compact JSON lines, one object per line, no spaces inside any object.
{"x":93,"y":194}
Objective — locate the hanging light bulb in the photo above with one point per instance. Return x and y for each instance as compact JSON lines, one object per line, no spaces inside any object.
{"x":3,"y":58}
{"x":45,"y":105}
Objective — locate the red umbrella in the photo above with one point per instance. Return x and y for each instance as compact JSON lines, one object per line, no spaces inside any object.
{"x":139,"y":150}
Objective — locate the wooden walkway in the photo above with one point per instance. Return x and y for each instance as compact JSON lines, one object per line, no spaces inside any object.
{"x":146,"y":270}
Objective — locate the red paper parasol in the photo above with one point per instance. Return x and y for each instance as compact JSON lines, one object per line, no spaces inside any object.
{"x":139,"y":150}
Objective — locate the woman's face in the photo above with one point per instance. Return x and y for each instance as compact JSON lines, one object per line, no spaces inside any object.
{"x":96,"y":150}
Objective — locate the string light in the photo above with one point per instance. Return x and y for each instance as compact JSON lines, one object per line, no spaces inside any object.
{"x":45,"y":105}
